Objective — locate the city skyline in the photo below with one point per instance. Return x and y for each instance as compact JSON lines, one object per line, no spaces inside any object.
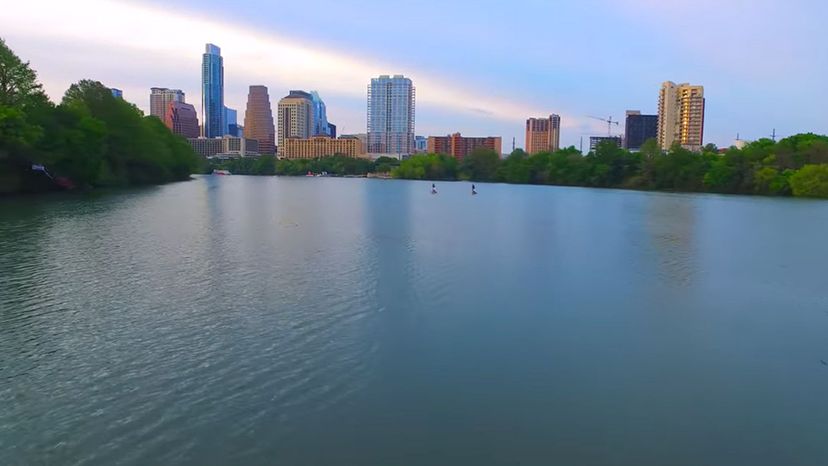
{"x":457,"y":89}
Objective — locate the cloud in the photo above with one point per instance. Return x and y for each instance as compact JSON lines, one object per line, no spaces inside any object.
{"x":151,"y":41}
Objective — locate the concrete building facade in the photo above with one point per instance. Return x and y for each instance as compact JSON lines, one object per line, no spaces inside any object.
{"x":295,"y":117}
{"x":160,"y":98}
{"x":206,"y":147}
{"x":595,"y":141}
{"x":543,"y":134}
{"x":681,"y":116}
{"x":391,"y":103}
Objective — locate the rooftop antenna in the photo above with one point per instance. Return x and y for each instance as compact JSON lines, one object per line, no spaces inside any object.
{"x":513,"y":143}
{"x":773,"y":135}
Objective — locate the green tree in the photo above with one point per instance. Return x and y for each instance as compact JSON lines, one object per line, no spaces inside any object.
{"x":18,"y":82}
{"x":810,"y":181}
{"x":480,"y":165}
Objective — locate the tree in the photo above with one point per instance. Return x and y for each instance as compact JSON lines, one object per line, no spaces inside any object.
{"x":18,"y":82}
{"x":480,"y":165}
{"x":810,"y":181}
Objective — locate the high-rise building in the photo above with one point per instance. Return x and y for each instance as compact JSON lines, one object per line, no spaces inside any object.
{"x":681,"y":116}
{"x":160,"y":98}
{"x":420,"y":144}
{"x":391,"y":102}
{"x":331,"y":130}
{"x":258,"y":120}
{"x":231,"y":122}
{"x":543,"y":134}
{"x":320,"y":146}
{"x":182,"y":119}
{"x":212,"y":92}
{"x":295,"y":117}
{"x":459,"y":147}
{"x":117,"y":93}
{"x":320,"y":116}
{"x":595,"y":141}
{"x":639,"y":128}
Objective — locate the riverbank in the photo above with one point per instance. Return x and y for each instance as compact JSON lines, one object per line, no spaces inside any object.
{"x":794,"y":166}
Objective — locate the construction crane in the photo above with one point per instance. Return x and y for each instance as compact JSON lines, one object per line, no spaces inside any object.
{"x":609,"y":121}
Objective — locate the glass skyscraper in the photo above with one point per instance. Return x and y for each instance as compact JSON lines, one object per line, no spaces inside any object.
{"x":231,"y":124}
{"x":391,"y":115}
{"x":320,"y":116}
{"x":212,"y":92}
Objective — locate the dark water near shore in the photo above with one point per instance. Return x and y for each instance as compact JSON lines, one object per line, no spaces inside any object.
{"x":241,"y":320}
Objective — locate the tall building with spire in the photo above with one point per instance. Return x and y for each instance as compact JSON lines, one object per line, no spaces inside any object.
{"x":258,"y":120}
{"x":212,"y":92}
{"x":296,"y":116}
{"x":391,"y":102}
{"x":160,"y":98}
{"x":681,"y":116}
{"x":543,"y":134}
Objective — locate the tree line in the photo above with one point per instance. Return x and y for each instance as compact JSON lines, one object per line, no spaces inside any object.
{"x":338,"y":165}
{"x":92,"y":139}
{"x":89,"y":139}
{"x":797,"y":165}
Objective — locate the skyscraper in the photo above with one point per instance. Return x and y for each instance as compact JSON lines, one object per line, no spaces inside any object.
{"x":320,"y":116}
{"x":391,"y":102}
{"x":639,"y":128}
{"x":182,"y":119}
{"x":543,"y":134}
{"x":160,"y":98}
{"x":212,"y":91}
{"x":295,"y":117}
{"x":258,"y":120}
{"x":231,"y":123}
{"x":681,"y":116}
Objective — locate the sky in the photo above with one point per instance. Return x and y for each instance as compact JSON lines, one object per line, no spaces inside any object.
{"x":480,"y":67}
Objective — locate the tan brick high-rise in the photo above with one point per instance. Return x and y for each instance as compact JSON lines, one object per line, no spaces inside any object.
{"x":258,"y":120}
{"x":296,"y":117}
{"x":681,"y":116}
{"x":543,"y":134}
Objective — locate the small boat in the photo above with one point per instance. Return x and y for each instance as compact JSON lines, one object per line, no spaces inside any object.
{"x":221,"y":172}
{"x":310,"y":174}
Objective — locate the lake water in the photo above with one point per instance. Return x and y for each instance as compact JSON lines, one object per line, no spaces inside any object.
{"x":323,"y":321}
